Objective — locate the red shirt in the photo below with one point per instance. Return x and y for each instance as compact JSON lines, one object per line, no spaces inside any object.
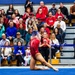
{"x":46,"y":40}
{"x":34,"y":44}
{"x":44,"y":10}
{"x":41,"y":16}
{"x":57,"y":15}
{"x":50,"y":21}
{"x":18,"y":25}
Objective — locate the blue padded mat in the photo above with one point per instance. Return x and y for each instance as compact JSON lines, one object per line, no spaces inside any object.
{"x":27,"y":71}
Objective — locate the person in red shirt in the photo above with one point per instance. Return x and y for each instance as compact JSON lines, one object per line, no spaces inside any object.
{"x":35,"y":54}
{"x":40,"y":15}
{"x":44,"y":46}
{"x":50,"y":20}
{"x":21,"y":23}
{"x":43,"y":7}
{"x":59,"y":13}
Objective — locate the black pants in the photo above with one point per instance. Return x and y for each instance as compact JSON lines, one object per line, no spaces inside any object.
{"x":53,"y":52}
{"x":19,"y":60}
{"x":45,"y":52}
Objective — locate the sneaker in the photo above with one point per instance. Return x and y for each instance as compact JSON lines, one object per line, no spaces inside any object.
{"x":70,"y":24}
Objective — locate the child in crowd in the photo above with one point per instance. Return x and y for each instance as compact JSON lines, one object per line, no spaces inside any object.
{"x":27,"y":57}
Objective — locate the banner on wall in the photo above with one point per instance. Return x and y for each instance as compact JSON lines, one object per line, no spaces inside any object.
{"x":34,"y":1}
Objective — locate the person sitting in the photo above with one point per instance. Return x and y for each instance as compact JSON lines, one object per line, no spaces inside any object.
{"x":11,"y":31}
{"x":18,"y":38}
{"x":28,"y":36}
{"x":50,"y":20}
{"x":28,"y":56}
{"x":43,"y":7}
{"x":72,"y":13}
{"x":53,"y":9}
{"x":10,"y":11}
{"x":28,"y":4}
{"x":54,"y":46}
{"x":44,"y":46}
{"x":40,"y":15}
{"x":6,"y":52}
{"x":19,"y":52}
{"x":3,"y":40}
{"x":64,"y":10}
{"x":58,"y":14}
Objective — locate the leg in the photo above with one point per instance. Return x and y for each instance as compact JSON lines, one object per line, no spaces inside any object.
{"x":32,"y":64}
{"x":46,"y":53}
{"x":9,"y":58}
{"x":42,"y":60}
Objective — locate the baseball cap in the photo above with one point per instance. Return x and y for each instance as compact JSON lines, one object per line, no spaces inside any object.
{"x":18,"y":33}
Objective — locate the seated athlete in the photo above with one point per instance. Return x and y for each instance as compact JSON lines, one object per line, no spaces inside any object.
{"x":35,"y":54}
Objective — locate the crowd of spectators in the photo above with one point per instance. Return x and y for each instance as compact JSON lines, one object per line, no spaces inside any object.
{"x":16,"y":30}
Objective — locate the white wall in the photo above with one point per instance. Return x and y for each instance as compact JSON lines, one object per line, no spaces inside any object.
{"x":21,"y":7}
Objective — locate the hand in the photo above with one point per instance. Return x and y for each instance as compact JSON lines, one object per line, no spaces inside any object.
{"x":10,"y":37}
{"x":17,"y":54}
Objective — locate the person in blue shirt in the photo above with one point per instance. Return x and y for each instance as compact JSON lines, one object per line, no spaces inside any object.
{"x":19,"y":52}
{"x":11,"y":31}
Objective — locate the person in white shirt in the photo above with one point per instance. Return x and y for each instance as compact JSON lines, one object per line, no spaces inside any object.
{"x":4,"y":39}
{"x":61,"y":22}
{"x":54,"y":46}
{"x":62,"y":26}
{"x":6,"y":52}
{"x":27,"y":57}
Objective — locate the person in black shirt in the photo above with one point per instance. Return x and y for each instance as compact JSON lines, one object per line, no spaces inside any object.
{"x":64,"y":10}
{"x":28,"y":4}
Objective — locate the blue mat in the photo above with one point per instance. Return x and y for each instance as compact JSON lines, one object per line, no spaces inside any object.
{"x":24,"y":71}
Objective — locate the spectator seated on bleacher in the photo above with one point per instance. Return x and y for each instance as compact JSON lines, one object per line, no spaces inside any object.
{"x":62,"y":26}
{"x":55,"y":48}
{"x":19,"y":51}
{"x":58,"y":35}
{"x":50,"y":20}
{"x":18,"y":38}
{"x":17,"y":14}
{"x":28,"y":36}
{"x":58,"y":14}
{"x":40,"y":15}
{"x":28,"y":4}
{"x":72,"y":13}
{"x":22,"y":31}
{"x":2,"y":30}
{"x":53,"y":9}
{"x":6,"y":52}
{"x":21,"y":23}
{"x":10,"y":11}
{"x":43,"y":7}
{"x":44,"y":46}
{"x":15,"y":19}
{"x":27,"y":57}
{"x":27,"y":15}
{"x":11,"y":31}
{"x":3,"y":40}
{"x":64,"y":10}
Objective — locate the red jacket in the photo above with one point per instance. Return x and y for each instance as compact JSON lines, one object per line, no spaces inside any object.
{"x":44,"y":9}
{"x":18,"y":25}
{"x":42,"y":16}
{"x":50,"y":21}
{"x":57,"y":15}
